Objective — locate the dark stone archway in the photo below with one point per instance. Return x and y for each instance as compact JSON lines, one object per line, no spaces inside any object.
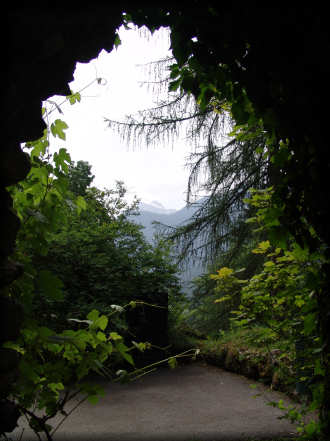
{"x":286,"y":78}
{"x":44,"y":45}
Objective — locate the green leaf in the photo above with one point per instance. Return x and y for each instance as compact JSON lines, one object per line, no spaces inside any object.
{"x":128,"y":358}
{"x":62,"y":159}
{"x":55,"y":387}
{"x":58,"y":127}
{"x":299,"y":302}
{"x":262,"y":247}
{"x":93,"y":315}
{"x":80,"y":204}
{"x":14,"y":346}
{"x":269,"y":263}
{"x":101,"y":336}
{"x":115,"y":337}
{"x":74,"y":97}
{"x":122,"y":349}
{"x":174,"y":85}
{"x":222,"y":299}
{"x":172,"y":362}
{"x":102,"y":322}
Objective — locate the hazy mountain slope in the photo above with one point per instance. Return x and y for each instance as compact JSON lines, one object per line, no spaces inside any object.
{"x":156,"y":212}
{"x":149,"y":214}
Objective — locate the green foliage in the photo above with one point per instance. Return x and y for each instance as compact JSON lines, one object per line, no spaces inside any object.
{"x":51,"y":363}
{"x":211,"y":317}
{"x":180,"y":314}
{"x":80,"y":177}
{"x":273,"y":305}
{"x":57,"y":128}
{"x":282,"y":298}
{"x":74,"y":98}
{"x":82,"y":256}
{"x":213,"y":299}
{"x":103,"y":259}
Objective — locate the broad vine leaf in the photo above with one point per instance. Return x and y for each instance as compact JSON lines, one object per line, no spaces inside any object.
{"x":58,"y":127}
{"x":93,"y":315}
{"x":74,"y":98}
{"x":101,"y":322}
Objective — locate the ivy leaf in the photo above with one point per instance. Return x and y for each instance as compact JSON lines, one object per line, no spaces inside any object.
{"x":93,"y":315}
{"x":74,"y":97}
{"x":58,"y":127}
{"x":101,"y":322}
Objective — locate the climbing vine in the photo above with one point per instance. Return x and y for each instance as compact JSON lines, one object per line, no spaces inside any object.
{"x":52,"y":364}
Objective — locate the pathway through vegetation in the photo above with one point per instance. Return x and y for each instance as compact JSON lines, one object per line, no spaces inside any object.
{"x":194,"y":402}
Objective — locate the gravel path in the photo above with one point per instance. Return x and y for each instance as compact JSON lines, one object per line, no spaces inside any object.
{"x":194,"y":402}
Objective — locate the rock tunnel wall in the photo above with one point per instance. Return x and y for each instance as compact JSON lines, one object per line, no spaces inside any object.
{"x":43,"y":46}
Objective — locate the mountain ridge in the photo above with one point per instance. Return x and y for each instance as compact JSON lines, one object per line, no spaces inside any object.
{"x":171,"y":218}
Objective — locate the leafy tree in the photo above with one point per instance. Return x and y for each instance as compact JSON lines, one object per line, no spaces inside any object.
{"x":103,"y":259}
{"x":80,"y":177}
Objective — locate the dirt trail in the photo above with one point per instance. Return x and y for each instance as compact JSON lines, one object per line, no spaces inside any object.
{"x":190,"y":403}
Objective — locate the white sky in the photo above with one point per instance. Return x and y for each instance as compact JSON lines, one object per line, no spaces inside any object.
{"x":152,"y":174}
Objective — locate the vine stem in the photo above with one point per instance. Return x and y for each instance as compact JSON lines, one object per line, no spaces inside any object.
{"x":68,"y":414}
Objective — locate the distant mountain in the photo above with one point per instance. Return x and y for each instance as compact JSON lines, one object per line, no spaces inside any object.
{"x":156,"y":207}
{"x":155,"y":212}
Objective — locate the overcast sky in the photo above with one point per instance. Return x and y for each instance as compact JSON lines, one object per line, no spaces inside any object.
{"x":156,"y":173}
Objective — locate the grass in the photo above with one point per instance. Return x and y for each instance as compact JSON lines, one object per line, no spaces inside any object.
{"x":256,"y":353}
